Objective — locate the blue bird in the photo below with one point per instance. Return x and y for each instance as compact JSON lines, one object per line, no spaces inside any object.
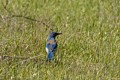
{"x":51,"y":46}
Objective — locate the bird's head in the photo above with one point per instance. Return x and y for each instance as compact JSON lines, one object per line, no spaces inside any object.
{"x":54,"y":34}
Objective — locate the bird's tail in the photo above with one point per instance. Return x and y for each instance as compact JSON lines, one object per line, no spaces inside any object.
{"x":50,"y":56}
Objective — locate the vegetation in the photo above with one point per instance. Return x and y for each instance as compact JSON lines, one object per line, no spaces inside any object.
{"x":88,"y":49}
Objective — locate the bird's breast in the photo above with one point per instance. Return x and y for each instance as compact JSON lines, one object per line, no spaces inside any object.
{"x":47,"y":50}
{"x":51,"y":41}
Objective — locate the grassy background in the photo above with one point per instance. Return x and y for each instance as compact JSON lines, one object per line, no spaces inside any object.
{"x":89,"y":48}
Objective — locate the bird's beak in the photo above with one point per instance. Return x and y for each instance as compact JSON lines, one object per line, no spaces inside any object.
{"x":58,"y":33}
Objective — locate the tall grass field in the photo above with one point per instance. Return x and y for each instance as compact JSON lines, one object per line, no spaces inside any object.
{"x":88,"y":49}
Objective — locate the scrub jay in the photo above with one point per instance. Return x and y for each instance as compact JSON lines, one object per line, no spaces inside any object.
{"x":51,"y":46}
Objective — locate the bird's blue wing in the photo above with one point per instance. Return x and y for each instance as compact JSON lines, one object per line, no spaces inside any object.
{"x":52,"y":46}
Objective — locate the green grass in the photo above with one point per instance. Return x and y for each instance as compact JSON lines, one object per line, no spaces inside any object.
{"x":89,"y":48}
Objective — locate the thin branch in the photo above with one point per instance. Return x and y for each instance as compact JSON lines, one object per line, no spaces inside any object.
{"x":32,"y":58}
{"x":13,"y":15}
{"x":31,"y":19}
{"x":5,"y":6}
{"x":23,"y":60}
{"x":11,"y":57}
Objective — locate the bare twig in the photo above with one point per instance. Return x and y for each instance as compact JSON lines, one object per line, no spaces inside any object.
{"x":30,"y":19}
{"x":11,"y":57}
{"x":32,"y":58}
{"x":25,"y":17}
{"x":24,"y":59}
{"x":5,"y":6}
